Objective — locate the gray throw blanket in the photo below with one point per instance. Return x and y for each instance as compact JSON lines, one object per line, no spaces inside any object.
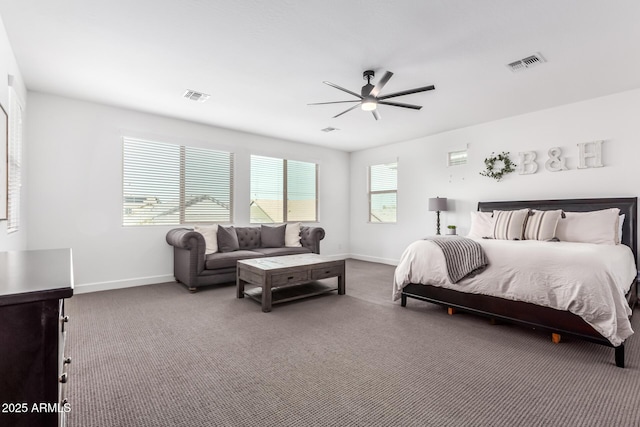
{"x":464,"y":257}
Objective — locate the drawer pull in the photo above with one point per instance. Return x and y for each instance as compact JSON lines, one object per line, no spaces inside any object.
{"x":67,"y":360}
{"x":64,"y":319}
{"x":63,"y":378}
{"x":290,"y":277}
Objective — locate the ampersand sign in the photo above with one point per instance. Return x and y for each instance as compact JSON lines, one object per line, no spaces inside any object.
{"x":555,"y":163}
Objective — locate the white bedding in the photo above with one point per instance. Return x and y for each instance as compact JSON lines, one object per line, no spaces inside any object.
{"x":588,"y":280}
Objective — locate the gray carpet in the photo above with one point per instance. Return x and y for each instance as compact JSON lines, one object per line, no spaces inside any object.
{"x":160,"y":356}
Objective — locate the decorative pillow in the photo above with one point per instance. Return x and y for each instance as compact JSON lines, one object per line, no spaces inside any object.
{"x":292,"y":235}
{"x":541,"y":225}
{"x":210,"y":234}
{"x":509,"y":225}
{"x":600,"y":227}
{"x":227,"y":239}
{"x":272,"y":237}
{"x":481,"y":225}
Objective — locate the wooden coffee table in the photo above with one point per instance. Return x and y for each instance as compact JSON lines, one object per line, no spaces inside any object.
{"x":287,"y":278}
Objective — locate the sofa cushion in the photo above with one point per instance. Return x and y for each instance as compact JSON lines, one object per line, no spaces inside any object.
{"x":227,"y":239}
{"x":248,"y":237}
{"x":282,"y":251}
{"x":272,"y":237}
{"x":228,"y":259}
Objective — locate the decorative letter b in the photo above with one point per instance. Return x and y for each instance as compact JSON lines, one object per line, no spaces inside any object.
{"x":528,"y":164}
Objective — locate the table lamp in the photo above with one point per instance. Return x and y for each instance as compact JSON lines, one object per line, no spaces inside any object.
{"x":438,"y":204}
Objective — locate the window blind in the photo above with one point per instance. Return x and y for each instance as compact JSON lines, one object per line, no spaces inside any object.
{"x":14,"y":158}
{"x":167,"y":184}
{"x":457,"y":158}
{"x":282,"y":190}
{"x":383,"y":185}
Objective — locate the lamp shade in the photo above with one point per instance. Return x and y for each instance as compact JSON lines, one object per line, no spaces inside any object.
{"x":438,"y":204}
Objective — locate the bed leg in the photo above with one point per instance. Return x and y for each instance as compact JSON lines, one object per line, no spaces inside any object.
{"x":451,"y":311}
{"x":620,"y":356}
{"x":403,"y":300}
{"x":555,"y":338}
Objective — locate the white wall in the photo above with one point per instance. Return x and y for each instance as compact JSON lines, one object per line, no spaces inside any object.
{"x":8,"y":66}
{"x":422,"y":170}
{"x":75,"y":198}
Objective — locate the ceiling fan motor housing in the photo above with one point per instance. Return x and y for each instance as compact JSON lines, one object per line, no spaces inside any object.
{"x":366,"y":89}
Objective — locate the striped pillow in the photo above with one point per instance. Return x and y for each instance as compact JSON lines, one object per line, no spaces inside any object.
{"x":541,"y":225}
{"x":509,"y":225}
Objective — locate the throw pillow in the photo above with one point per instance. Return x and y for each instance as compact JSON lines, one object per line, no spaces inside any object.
{"x":509,"y":225}
{"x":292,"y":235}
{"x":272,"y":237}
{"x":600,"y":227}
{"x":210,"y":234}
{"x":227,"y":239}
{"x":541,"y":225}
{"x":481,"y":225}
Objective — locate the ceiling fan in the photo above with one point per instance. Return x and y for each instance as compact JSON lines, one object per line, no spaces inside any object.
{"x":369,"y":100}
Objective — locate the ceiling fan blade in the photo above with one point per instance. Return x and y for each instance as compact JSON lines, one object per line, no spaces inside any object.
{"x":383,"y":81}
{"x":346,"y":111}
{"x":376,"y":115}
{"x":343,"y":89}
{"x":333,"y":102}
{"x":398,"y":104}
{"x":407,"y":92}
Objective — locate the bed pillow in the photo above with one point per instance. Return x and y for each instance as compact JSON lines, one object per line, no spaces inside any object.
{"x":292,"y":235}
{"x":509,"y":225}
{"x":272,"y":237}
{"x":620,"y":224}
{"x":600,"y":227}
{"x":481,"y":225}
{"x":541,"y":225}
{"x":210,"y":234}
{"x":227,"y":239}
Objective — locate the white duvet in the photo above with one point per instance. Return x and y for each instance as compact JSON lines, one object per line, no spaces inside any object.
{"x":586,"y":279}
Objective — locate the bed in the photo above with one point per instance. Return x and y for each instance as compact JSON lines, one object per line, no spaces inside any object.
{"x":560,"y":322}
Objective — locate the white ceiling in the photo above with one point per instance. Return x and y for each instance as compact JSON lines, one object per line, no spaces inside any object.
{"x":264,"y":61}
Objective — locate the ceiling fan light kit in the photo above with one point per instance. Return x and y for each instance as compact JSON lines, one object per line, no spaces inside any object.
{"x":369,"y":98}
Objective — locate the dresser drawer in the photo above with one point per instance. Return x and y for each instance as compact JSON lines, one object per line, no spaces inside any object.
{"x":289,"y":278}
{"x":323,"y":273}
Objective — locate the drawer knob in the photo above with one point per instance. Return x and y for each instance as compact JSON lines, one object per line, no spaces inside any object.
{"x":63,"y":378}
{"x":65,"y":319}
{"x":66,"y":360}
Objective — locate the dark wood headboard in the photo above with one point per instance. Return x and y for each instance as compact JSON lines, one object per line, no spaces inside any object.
{"x":627,"y":205}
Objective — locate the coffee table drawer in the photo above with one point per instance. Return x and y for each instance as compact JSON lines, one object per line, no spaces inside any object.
{"x":323,"y":273}
{"x":294,"y":277}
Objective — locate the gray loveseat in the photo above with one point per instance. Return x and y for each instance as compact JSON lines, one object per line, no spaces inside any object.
{"x":194,"y":269}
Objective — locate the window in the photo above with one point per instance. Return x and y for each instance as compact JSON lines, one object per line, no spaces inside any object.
{"x":457,"y":158}
{"x":14,"y":157}
{"x":283,"y":190}
{"x":383,"y":192}
{"x":166,"y":184}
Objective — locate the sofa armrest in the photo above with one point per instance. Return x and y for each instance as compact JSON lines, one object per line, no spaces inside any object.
{"x":186,"y":240}
{"x":310,"y":238}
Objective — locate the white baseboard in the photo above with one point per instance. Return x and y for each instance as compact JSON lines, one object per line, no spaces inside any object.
{"x":119,"y":284}
{"x":374,"y":259}
{"x":151,"y":280}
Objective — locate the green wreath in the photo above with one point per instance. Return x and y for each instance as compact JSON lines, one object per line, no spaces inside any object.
{"x":490,"y":163}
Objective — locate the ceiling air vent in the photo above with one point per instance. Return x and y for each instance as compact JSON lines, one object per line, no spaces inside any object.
{"x":196,"y":96}
{"x":329,"y":129}
{"x":527,"y":62}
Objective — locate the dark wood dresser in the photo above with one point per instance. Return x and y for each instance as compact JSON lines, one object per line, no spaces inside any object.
{"x":33,"y":362}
